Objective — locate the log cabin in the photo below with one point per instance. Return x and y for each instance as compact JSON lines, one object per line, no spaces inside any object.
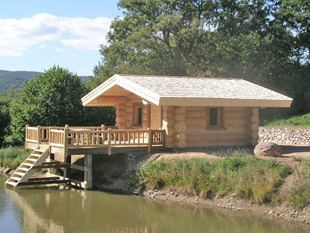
{"x":193,"y":111}
{"x":152,"y":112}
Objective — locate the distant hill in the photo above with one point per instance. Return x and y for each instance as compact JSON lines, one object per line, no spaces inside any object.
{"x":16,"y":78}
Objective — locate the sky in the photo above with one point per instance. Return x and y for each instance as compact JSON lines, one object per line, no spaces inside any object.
{"x":37,"y":34}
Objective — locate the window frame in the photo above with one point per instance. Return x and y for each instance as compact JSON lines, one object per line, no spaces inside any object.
{"x":219,"y":125}
{"x":135,"y":114}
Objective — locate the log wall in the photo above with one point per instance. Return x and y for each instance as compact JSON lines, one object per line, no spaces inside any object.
{"x":168,"y":125}
{"x":187,"y":126}
{"x":127,"y":114}
{"x":239,"y":127}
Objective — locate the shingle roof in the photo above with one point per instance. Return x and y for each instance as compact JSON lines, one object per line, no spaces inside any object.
{"x":194,"y":91}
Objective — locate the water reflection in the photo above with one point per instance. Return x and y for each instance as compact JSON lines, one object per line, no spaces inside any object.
{"x":59,"y":211}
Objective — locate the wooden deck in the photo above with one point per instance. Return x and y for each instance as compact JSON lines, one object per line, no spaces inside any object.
{"x":70,"y":140}
{"x":50,"y":142}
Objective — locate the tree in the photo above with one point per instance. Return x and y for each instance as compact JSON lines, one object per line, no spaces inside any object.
{"x":239,"y":38}
{"x":4,"y":120}
{"x":52,"y":99}
{"x":5,"y":98}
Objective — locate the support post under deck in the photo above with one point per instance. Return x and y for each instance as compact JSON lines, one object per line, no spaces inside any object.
{"x":88,"y":174}
{"x":67,"y":170}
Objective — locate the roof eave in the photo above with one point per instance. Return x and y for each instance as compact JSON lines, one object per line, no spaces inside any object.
{"x":261,"y":103}
{"x":98,"y":91}
{"x":124,"y":83}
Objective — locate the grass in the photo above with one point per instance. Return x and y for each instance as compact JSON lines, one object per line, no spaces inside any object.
{"x":302,"y":120}
{"x":299,"y":195}
{"x":12,"y":157}
{"x":244,"y":176}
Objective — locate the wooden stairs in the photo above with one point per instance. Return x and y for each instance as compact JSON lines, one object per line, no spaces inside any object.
{"x":25,"y":170}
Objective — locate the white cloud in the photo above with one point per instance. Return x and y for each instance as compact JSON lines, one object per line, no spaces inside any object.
{"x":19,"y":35}
{"x":59,"y":50}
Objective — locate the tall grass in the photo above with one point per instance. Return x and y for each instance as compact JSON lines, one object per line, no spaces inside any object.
{"x":12,"y":157}
{"x":299,"y":195}
{"x":244,"y":176}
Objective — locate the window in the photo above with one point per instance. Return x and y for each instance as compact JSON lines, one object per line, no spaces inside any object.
{"x":137,"y":114}
{"x":214,"y":120}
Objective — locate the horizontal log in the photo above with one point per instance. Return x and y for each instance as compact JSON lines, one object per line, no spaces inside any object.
{"x":205,"y":144}
{"x":134,"y":97}
{"x":214,"y":138}
{"x":196,"y":114}
{"x":195,"y":108}
{"x":227,"y":131}
{"x":196,"y":123}
{"x":168,"y":108}
{"x":235,"y":122}
{"x":238,"y":115}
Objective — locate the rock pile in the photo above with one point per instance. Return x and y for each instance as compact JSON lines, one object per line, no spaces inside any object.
{"x":285,"y":135}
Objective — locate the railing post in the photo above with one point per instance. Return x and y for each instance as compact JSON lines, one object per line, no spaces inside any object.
{"x":109,"y":141}
{"x":26,"y":131}
{"x":49,"y":135}
{"x":38,"y":135}
{"x":65,"y":142}
{"x":26,"y":136}
{"x":164,"y":138}
{"x":150,"y":139}
{"x":102,"y":127}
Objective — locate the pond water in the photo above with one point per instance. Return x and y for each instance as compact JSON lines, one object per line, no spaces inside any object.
{"x":58,"y":211}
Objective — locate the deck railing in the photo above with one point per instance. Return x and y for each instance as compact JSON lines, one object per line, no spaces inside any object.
{"x":94,"y":137}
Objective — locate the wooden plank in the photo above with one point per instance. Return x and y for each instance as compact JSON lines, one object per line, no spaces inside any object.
{"x":44,"y":178}
{"x":56,"y":145}
{"x":61,"y":165}
{"x":43,"y":182}
{"x":78,"y":167}
{"x":29,"y":140}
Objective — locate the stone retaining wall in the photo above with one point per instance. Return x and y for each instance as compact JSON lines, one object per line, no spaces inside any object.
{"x":285,"y":135}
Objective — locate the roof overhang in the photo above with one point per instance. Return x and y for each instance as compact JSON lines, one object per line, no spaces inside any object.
{"x":124,"y":83}
{"x":152,"y":97}
{"x":168,"y":101}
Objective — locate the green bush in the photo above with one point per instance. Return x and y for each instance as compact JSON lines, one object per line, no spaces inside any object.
{"x":299,"y":194}
{"x":244,"y":176}
{"x":12,"y":157}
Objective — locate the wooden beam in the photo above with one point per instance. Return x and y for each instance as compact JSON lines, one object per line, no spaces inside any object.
{"x":78,"y":167}
{"x":43,"y":182}
{"x":67,"y":171}
{"x":60,"y":165}
{"x":44,"y":178}
{"x":150,"y":138}
{"x":109,"y":141}
{"x":88,"y":173}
